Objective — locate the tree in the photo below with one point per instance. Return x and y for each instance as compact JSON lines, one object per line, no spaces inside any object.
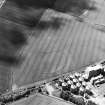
{"x":65,"y":95}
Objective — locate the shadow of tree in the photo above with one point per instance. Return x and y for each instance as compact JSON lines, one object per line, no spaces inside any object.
{"x":18,"y":38}
{"x":12,"y":39}
{"x":30,"y":22}
{"x":9,"y":60}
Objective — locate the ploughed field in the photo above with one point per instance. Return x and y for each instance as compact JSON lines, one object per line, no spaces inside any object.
{"x":55,"y":45}
{"x":53,"y":51}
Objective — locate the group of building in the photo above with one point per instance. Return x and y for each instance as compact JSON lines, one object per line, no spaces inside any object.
{"x":73,"y":87}
{"x":76,"y":87}
{"x":74,"y":83}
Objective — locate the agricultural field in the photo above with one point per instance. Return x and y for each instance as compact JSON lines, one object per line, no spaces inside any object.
{"x":55,"y":45}
{"x":68,"y":47}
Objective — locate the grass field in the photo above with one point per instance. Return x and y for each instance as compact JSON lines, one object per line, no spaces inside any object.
{"x":42,"y":100}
